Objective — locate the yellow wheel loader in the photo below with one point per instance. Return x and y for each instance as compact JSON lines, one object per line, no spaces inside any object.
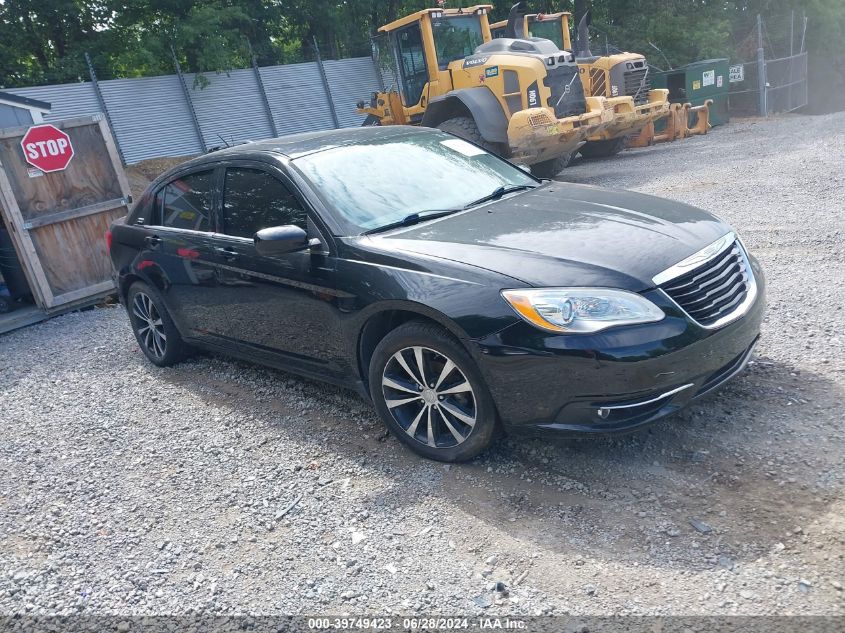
{"x":520,"y":98}
{"x":619,"y":75}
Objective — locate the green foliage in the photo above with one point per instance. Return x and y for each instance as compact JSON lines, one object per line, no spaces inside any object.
{"x":44,"y":41}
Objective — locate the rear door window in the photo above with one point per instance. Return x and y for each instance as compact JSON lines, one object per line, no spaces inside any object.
{"x":186,"y":203}
{"x":255,"y":200}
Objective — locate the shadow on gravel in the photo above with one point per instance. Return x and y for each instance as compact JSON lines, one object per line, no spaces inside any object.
{"x":725,"y":480}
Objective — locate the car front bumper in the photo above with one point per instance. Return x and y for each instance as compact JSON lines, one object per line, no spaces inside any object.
{"x":616,"y":380}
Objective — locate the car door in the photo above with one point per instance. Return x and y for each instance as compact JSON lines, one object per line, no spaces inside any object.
{"x":179,"y":247}
{"x":288,"y":305}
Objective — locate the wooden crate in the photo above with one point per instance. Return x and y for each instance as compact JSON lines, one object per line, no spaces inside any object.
{"x":58,"y":220}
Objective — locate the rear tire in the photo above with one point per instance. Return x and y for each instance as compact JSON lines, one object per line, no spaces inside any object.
{"x":603,"y":149}
{"x":153,"y":328}
{"x":443,"y":411}
{"x":551,"y":168}
{"x":465,"y":128}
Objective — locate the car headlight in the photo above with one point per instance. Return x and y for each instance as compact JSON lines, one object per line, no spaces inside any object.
{"x":581,"y":310}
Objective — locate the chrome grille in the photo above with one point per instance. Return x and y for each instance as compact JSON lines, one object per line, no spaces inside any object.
{"x":637,"y":85}
{"x":719,"y":289}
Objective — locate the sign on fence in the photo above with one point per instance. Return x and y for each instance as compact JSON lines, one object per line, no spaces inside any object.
{"x":736,"y":73}
{"x":47,"y":148}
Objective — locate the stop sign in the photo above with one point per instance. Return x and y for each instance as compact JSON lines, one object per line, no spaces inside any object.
{"x":47,"y":147}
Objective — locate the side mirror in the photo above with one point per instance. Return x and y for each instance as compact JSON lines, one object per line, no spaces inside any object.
{"x":280,"y":240}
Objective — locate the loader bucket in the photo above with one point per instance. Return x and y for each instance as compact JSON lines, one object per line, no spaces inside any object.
{"x":629,"y":118}
{"x":534,"y":135}
{"x":675,"y":124}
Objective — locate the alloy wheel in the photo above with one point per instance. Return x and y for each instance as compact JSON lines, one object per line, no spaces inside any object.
{"x":149,"y":325}
{"x":429,"y":397}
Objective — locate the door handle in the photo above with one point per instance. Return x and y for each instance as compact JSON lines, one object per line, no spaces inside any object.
{"x":153,"y":240}
{"x":227,"y":252}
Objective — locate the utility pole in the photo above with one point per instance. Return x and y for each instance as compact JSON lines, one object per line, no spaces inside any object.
{"x":803,"y":34}
{"x":792,"y":34}
{"x":761,"y":69}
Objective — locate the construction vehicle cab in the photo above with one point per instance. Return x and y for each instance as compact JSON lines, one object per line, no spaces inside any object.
{"x":519,"y":97}
{"x":619,"y":75}
{"x":550,"y":26}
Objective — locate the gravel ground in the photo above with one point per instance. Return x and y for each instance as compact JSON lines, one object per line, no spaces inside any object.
{"x":226,"y":487}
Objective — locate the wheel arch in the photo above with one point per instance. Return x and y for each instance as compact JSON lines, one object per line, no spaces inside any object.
{"x":478,"y":103}
{"x":154,"y":279}
{"x":379,"y":323}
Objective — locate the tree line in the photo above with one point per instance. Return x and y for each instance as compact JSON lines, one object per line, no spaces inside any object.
{"x":44,"y":41}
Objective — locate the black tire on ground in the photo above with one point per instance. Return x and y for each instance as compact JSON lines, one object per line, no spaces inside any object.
{"x":603,"y":149}
{"x":6,"y":305}
{"x":551,"y":168}
{"x":161,"y":344}
{"x":465,"y":128}
{"x":438,"y":416}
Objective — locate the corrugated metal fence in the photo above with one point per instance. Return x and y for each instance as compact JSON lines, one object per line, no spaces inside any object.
{"x":151,"y":117}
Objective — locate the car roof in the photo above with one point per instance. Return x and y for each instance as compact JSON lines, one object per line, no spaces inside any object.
{"x":297,"y":145}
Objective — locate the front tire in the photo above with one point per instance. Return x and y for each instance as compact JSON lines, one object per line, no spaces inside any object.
{"x":551,"y":168}
{"x":153,"y":328}
{"x":431,"y":395}
{"x":603,"y":149}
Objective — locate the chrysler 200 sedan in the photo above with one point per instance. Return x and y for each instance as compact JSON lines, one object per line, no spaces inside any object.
{"x":451,"y":288}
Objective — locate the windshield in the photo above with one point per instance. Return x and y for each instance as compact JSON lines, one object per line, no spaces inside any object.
{"x":456,"y":37}
{"x":382,"y":181}
{"x":548,"y":29}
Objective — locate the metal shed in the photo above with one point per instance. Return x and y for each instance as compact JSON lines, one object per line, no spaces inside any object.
{"x":16,"y":111}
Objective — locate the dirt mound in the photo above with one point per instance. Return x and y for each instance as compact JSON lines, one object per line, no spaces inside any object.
{"x":142,"y":174}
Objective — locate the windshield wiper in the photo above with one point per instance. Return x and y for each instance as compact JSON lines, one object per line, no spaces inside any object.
{"x":497,"y":193}
{"x":422,"y":216}
{"x":413,"y":218}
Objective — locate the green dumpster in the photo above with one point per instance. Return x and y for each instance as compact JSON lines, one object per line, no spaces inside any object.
{"x":697,"y":82}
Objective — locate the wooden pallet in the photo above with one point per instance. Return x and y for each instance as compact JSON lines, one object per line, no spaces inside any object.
{"x":58,"y":220}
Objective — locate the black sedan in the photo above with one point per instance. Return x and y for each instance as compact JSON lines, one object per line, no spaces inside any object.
{"x":458,"y":293}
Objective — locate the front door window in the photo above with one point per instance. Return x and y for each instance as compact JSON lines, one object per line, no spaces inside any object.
{"x":255,"y":200}
{"x":547,"y":29}
{"x":456,"y":37}
{"x":411,"y":61}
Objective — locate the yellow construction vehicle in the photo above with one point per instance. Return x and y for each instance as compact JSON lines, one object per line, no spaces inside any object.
{"x":622,"y":74}
{"x":518,"y":97}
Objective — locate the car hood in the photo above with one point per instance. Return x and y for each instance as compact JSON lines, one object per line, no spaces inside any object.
{"x":563,"y":234}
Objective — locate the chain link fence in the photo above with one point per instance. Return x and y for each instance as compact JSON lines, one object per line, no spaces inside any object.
{"x":768,"y":74}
